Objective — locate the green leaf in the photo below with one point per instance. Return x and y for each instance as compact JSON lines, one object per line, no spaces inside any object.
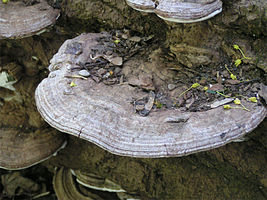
{"x":195,"y":85}
{"x":238,"y":62}
{"x":5,"y":83}
{"x":237,"y":101}
{"x":233,"y":76}
{"x":253,"y":99}
{"x":236,"y":46}
{"x":227,"y":107}
{"x":72,"y":84}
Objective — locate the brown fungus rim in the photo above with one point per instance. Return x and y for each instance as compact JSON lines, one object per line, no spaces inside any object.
{"x":18,"y":20}
{"x":19,"y":149}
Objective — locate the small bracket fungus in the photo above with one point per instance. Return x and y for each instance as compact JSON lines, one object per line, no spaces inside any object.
{"x":74,"y":184}
{"x":19,"y":150}
{"x":180,"y":11}
{"x":103,"y":114}
{"x":17,"y":20}
{"x":66,"y":187}
{"x":96,"y":182}
{"x":142,"y":5}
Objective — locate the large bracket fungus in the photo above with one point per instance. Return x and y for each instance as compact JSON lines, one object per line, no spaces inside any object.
{"x":103,"y":113}
{"x":18,"y":20}
{"x":181,"y":11}
{"x":19,"y":150}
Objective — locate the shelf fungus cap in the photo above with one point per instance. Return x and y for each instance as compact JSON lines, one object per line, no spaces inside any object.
{"x":180,"y":11}
{"x":20,"y":150}
{"x":104,"y":115}
{"x":18,"y":20}
{"x":142,"y":5}
{"x":66,"y":188}
{"x":96,"y":182}
{"x":188,"y":11}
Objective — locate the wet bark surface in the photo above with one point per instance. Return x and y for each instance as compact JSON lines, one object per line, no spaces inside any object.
{"x":236,"y":171}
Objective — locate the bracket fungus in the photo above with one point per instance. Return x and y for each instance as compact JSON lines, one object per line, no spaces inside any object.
{"x":93,"y":181}
{"x":96,"y":182}
{"x":18,"y":20}
{"x":73,"y":184}
{"x":19,"y":150}
{"x":104,"y":115}
{"x":180,"y":11}
{"x":66,"y":187}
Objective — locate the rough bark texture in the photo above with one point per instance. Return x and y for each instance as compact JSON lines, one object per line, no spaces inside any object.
{"x":235,"y":171}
